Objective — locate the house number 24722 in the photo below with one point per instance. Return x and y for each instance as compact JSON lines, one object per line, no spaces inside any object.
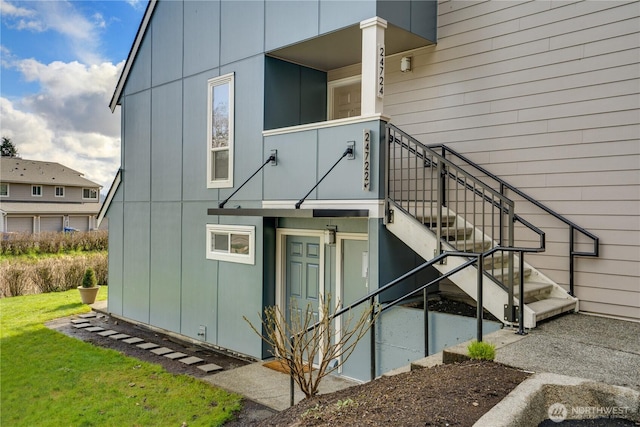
{"x":380,"y":74}
{"x":366,"y":160}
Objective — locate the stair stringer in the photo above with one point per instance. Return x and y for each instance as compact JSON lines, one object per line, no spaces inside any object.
{"x":424,"y":242}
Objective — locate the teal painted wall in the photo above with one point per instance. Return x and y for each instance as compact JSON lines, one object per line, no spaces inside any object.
{"x":157,"y":266}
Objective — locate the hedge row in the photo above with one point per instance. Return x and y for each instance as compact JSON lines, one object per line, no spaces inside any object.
{"x":22,"y":277}
{"x":53,"y":243}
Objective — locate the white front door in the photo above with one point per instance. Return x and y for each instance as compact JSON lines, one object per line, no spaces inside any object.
{"x":344,"y":98}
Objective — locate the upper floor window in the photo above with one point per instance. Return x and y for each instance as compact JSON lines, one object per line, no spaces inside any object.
{"x":220,"y":132}
{"x":59,"y":191}
{"x":36,"y":190}
{"x":90,"y":193}
{"x":4,"y":190}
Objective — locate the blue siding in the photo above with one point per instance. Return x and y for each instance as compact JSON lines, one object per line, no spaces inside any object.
{"x":136,"y":255}
{"x":339,"y":14}
{"x":288,"y":22}
{"x":167,"y":42}
{"x":201,"y":36}
{"x":136,"y":146}
{"x":140,"y":74}
{"x":199,"y":294}
{"x":166,"y":149}
{"x":242,"y":30}
{"x":115,"y":216}
{"x":164,"y":296}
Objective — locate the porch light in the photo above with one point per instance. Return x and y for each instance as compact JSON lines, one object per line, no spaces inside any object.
{"x":405,"y":64}
{"x":330,"y":236}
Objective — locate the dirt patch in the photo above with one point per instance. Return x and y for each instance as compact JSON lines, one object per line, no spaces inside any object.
{"x":446,"y":395}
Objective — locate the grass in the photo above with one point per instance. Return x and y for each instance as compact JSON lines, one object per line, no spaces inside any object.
{"x":481,"y":350}
{"x":50,"y":379}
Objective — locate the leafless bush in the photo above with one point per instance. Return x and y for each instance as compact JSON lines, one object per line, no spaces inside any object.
{"x":321,"y":342}
{"x":28,"y":276}
{"x":14,"y":282}
{"x":52,"y":243}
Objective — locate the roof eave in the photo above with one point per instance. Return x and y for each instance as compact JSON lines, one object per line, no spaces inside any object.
{"x":115,"y":99}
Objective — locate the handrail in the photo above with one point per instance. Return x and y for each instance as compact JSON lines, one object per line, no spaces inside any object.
{"x":348,"y":151}
{"x":272,"y":158}
{"x":572,"y":226}
{"x":473,"y":258}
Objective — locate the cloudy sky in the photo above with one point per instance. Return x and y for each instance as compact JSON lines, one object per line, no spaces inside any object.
{"x":60,"y":63}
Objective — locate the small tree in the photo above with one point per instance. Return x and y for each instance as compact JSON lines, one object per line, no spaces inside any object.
{"x":89,"y":280}
{"x":298,"y":349}
{"x":8,"y":149}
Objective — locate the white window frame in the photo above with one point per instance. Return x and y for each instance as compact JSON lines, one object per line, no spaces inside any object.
{"x":90,"y":190}
{"x":58,"y":187}
{"x":36,"y":193}
{"x":5,"y":185}
{"x":247,"y":230}
{"x":211,"y":83}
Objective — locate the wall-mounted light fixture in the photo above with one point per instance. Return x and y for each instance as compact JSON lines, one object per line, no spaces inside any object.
{"x":405,"y":64}
{"x":330,"y":235}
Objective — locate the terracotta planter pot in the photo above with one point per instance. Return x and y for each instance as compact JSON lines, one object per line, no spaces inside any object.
{"x":88,"y":295}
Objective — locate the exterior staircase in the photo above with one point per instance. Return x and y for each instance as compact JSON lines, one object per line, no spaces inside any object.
{"x":543,"y":298}
{"x":438,"y":204}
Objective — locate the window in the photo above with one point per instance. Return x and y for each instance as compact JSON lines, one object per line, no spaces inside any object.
{"x":90,"y":193}
{"x":59,"y":191}
{"x":4,"y":190}
{"x":36,"y":190}
{"x":233,"y":243}
{"x":220,"y":132}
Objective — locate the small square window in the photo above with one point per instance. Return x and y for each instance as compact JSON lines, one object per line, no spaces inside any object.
{"x":4,"y":190}
{"x":36,"y":190}
{"x":232,"y":243}
{"x":59,"y":191}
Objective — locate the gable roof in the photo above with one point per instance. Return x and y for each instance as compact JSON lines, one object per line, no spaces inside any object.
{"x":23,"y":171}
{"x":115,"y":99}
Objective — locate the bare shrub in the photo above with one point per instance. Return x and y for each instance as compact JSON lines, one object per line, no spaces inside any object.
{"x":14,"y":282}
{"x":44,"y":276}
{"x":99,"y":263}
{"x":72,"y":273}
{"x":53,"y":242}
{"x":321,"y":342}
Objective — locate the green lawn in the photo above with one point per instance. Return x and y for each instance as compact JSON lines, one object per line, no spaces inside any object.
{"x":50,"y":379}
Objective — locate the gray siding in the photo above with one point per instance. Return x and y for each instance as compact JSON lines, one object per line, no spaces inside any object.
{"x":545,"y":95}
{"x":22,"y":193}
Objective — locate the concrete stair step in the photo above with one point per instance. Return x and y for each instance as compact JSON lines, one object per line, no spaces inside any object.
{"x":502,"y":274}
{"x":470,"y":245}
{"x":549,"y":307}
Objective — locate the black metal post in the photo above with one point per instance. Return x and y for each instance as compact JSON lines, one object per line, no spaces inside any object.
{"x":521,"y":298}
{"x":425,"y":298}
{"x":479,"y":298}
{"x":571,"y":251}
{"x":372,"y":344}
{"x":292,"y":390}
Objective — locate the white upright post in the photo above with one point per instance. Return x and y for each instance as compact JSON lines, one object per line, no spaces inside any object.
{"x":373,"y":65}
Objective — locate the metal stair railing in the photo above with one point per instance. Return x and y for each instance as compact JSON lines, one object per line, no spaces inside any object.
{"x":448,"y":199}
{"x":470,"y":260}
{"x":504,"y":187}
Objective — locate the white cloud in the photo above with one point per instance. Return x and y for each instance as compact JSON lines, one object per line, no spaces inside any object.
{"x":69,"y":120}
{"x":82,"y":33}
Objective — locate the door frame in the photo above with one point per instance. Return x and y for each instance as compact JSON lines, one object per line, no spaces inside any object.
{"x":281,"y":259}
{"x":334,"y":84}
{"x":340,"y":237}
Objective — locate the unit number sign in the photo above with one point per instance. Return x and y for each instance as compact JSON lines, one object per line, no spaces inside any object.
{"x":366,"y":160}
{"x":380,"y":74}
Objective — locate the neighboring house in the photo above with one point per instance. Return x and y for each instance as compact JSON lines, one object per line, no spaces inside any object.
{"x":37,"y":196}
{"x":543,"y":95}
